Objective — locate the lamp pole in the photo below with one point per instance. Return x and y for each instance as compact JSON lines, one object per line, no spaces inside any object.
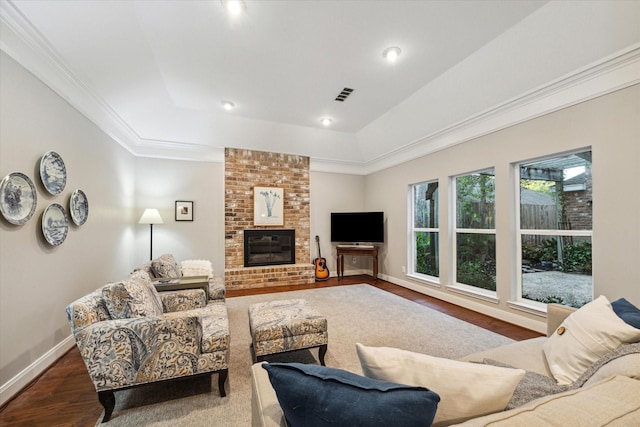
{"x":151,"y":216}
{"x":151,"y":246}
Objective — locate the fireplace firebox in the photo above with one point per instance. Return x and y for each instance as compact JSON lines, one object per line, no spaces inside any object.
{"x":269,"y":247}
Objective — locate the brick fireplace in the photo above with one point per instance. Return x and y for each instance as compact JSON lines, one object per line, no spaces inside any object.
{"x":245,"y":169}
{"x":269,"y":247}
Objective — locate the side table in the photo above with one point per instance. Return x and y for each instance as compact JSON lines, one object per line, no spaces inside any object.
{"x":357,"y":250}
{"x":181,"y":283}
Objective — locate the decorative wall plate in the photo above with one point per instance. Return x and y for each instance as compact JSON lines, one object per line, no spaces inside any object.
{"x":18,"y":198}
{"x":53,"y":172}
{"x":79,"y":207}
{"x":55,"y":224}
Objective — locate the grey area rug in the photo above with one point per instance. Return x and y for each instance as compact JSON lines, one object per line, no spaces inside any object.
{"x":355,"y":313}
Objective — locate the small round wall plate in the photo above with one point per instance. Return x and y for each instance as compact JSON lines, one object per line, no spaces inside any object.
{"x":53,"y":172}
{"x":18,"y":198}
{"x":79,"y":207}
{"x":55,"y":225}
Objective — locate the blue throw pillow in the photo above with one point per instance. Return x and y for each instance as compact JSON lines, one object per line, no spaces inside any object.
{"x":312,"y":395}
{"x":627,"y":312}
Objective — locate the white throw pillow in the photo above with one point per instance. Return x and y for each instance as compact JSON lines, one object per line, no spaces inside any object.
{"x":584,"y":337}
{"x":466,"y":389}
{"x":196,"y":267}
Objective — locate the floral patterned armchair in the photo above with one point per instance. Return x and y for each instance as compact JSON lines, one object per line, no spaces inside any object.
{"x":129,"y":334}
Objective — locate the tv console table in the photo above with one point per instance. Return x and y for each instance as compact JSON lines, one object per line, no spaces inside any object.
{"x":356,"y":250}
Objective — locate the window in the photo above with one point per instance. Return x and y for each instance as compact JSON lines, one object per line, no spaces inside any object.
{"x":555,"y":229}
{"x":475,"y":234}
{"x":424,"y":230}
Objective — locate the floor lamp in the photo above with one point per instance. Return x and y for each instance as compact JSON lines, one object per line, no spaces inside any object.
{"x":151,"y":216}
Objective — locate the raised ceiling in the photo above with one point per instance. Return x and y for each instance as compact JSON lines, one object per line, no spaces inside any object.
{"x":153,"y":74}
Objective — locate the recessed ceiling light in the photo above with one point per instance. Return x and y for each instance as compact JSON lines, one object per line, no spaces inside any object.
{"x":391,"y":53}
{"x":228,"y":105}
{"x":326,"y":121}
{"x":234,"y":7}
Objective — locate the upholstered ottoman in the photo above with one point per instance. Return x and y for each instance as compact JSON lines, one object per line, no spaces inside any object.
{"x":286,"y":325}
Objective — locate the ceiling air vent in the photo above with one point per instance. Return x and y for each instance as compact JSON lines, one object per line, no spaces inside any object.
{"x":342,"y":96}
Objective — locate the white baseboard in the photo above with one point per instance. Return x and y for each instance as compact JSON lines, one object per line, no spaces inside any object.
{"x":353,"y":272}
{"x":497,"y":313}
{"x":31,"y":372}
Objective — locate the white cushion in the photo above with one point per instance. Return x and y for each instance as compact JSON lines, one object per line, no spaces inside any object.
{"x":584,"y":337}
{"x":196,"y":267}
{"x":466,"y":389}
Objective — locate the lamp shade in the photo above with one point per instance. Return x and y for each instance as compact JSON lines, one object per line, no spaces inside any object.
{"x":151,"y":216}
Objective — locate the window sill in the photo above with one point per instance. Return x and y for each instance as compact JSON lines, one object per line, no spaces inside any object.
{"x":530,"y":308}
{"x":427,"y":280}
{"x":481,"y":294}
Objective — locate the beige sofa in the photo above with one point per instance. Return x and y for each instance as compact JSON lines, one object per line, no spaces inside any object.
{"x":611,"y":393}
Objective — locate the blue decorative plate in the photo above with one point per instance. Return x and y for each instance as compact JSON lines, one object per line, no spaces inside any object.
{"x":53,"y":172}
{"x":18,"y":198}
{"x":79,"y":207}
{"x":55,"y":225}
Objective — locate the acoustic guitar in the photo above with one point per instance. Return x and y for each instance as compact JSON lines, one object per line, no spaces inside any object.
{"x":322,"y":272}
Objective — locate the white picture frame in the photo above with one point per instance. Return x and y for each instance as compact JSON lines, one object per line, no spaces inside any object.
{"x":184,"y":210}
{"x":268,"y":206}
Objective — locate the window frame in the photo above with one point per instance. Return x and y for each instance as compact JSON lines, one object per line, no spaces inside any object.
{"x":454,"y":285}
{"x":517,"y":301}
{"x":412,"y":232}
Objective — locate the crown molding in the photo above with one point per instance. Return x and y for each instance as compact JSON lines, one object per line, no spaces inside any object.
{"x":607,"y":75}
{"x":317,"y":164}
{"x":172,"y":150}
{"x":20,"y":40}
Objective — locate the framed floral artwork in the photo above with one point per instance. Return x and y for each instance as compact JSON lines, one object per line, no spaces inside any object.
{"x":268,"y":206}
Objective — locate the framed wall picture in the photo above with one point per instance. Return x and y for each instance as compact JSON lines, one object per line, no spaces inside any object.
{"x":184,"y":210}
{"x":268,"y":206}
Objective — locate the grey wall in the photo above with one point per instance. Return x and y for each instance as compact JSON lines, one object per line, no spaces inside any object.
{"x":610,"y":125}
{"x":332,"y":192}
{"x":37,"y":280}
{"x":159,"y":183}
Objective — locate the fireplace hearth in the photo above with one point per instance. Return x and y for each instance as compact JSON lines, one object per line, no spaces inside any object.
{"x":269,"y":247}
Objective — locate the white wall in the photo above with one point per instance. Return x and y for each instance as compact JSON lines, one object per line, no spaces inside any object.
{"x":159,"y":183}
{"x":610,"y":125}
{"x":332,"y":192}
{"x":37,"y":280}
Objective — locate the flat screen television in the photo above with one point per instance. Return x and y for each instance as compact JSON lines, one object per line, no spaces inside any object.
{"x":357,"y":227}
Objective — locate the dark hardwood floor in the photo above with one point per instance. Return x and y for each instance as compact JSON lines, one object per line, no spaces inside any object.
{"x":64,"y":395}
